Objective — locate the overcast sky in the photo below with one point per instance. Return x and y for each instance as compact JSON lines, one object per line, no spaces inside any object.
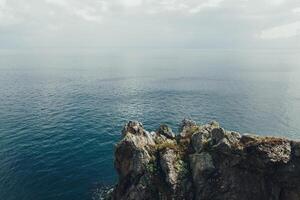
{"x":150,"y":23}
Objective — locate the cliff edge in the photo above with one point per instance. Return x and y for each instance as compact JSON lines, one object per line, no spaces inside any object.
{"x":204,"y":162}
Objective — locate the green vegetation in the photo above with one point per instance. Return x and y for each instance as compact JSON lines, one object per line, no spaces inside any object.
{"x":152,"y":168}
{"x":182,"y":168}
{"x":167,"y":145}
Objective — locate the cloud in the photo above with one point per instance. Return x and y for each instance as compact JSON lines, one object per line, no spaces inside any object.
{"x":191,"y":6}
{"x":277,"y":2}
{"x":87,"y":14}
{"x":62,"y":3}
{"x":2,"y":3}
{"x":86,"y":11}
{"x":94,"y":10}
{"x":131,"y":3}
{"x":208,"y":4}
{"x":144,"y":23}
{"x":296,"y":10}
{"x":283,"y":31}
{"x":7,"y":16}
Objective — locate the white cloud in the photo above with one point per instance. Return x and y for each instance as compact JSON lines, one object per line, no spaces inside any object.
{"x":2,"y":3}
{"x":283,"y":31}
{"x":6,"y":14}
{"x":143,"y":6}
{"x":296,"y":10}
{"x":207,"y":4}
{"x":194,"y":23}
{"x":276,"y":2}
{"x":63,"y":3}
{"x":86,"y":11}
{"x":131,"y":3}
{"x":88,"y":14}
{"x":184,"y":6}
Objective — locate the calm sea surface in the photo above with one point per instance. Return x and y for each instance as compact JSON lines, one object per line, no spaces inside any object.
{"x":61,"y":111}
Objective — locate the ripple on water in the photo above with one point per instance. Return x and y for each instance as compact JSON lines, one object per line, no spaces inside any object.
{"x":58,"y":125}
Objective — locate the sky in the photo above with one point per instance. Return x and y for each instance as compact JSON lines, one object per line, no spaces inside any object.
{"x":150,"y":23}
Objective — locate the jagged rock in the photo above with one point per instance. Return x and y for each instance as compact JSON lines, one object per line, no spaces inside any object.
{"x":204,"y":162}
{"x":233,"y":137}
{"x":224,"y":140}
{"x":201,"y":165}
{"x":187,"y":123}
{"x":133,"y":127}
{"x":200,"y":140}
{"x":187,"y":128}
{"x":296,"y":148}
{"x":217,"y":134}
{"x":249,"y":138}
{"x":223,"y":146}
{"x":266,"y":150}
{"x":166,"y":131}
{"x":168,"y":159}
{"x":209,"y":127}
{"x":132,"y":156}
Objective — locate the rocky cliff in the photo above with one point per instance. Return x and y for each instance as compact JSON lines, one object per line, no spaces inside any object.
{"x":204,"y":162}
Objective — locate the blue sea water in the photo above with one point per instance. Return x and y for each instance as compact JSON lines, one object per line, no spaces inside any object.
{"x":61,"y":111}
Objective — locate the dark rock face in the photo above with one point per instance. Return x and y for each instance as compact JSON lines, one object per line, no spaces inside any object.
{"x":204,"y":163}
{"x":166,"y":131}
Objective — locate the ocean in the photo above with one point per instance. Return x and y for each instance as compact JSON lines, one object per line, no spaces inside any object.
{"x":62,"y":110}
